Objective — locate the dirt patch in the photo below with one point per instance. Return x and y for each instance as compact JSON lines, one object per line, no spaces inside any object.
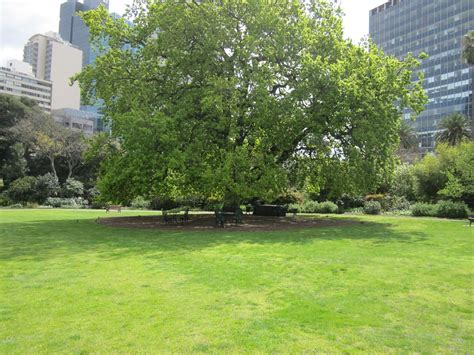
{"x":207,"y":222}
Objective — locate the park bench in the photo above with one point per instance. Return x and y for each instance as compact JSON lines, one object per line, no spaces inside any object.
{"x":109,"y":208}
{"x":226,"y":214}
{"x":471,"y":219}
{"x":270,"y":210}
{"x":175,"y":215}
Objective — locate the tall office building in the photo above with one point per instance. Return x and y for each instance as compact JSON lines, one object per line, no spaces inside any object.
{"x":73,"y":30}
{"x":55,"y":60}
{"x":436,"y":28}
{"x":17,"y":79}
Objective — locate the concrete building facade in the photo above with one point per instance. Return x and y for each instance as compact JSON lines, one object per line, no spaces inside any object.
{"x":17,"y":79}
{"x":55,"y":60}
{"x":83,"y":121}
{"x":436,"y":28}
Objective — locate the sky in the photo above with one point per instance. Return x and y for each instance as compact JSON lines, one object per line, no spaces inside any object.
{"x":21,"y":19}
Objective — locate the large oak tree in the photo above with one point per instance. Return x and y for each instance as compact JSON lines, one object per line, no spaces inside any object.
{"x":235,"y":99}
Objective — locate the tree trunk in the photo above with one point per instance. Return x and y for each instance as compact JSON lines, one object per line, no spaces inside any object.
{"x":53,"y":167}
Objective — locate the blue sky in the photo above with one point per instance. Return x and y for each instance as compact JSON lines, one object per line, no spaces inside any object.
{"x":20,"y":19}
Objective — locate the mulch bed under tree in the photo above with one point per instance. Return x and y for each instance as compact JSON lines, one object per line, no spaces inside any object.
{"x":207,"y":222}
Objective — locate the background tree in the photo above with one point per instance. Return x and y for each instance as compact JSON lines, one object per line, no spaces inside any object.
{"x":468,"y":48}
{"x":447,"y":174}
{"x":454,"y":129}
{"x":12,"y":152}
{"x":408,"y":148}
{"x":232,"y":99}
{"x":44,"y":137}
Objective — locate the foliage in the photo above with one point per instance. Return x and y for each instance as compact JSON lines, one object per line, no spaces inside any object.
{"x":99,"y":150}
{"x":236,"y":98}
{"x":289,"y":196}
{"x":315,"y":207}
{"x":374,"y":197}
{"x":455,"y":128}
{"x":4,"y":199}
{"x":14,"y":164}
{"x":394,"y":203}
{"x":423,"y":210}
{"x":372,"y":207}
{"x":404,"y":182}
{"x":447,"y":174}
{"x":72,"y":188}
{"x":468,"y":47}
{"x":163,"y":203}
{"x":140,"y":203}
{"x":61,"y":202}
{"x":408,"y":148}
{"x":442,"y":209}
{"x":46,"y":186}
{"x":13,"y":110}
{"x":348,"y":201}
{"x":430,"y":177}
{"x":450,"y":209}
{"x":22,"y":190}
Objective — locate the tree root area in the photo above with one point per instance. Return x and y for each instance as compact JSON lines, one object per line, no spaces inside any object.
{"x":207,"y":222}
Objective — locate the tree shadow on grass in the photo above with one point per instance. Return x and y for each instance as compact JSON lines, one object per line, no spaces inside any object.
{"x":41,"y":240}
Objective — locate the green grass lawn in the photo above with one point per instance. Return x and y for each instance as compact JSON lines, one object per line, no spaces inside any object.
{"x":391,"y":284}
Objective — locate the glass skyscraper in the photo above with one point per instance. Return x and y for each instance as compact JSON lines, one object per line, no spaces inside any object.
{"x":74,"y":30}
{"x":437,"y":28}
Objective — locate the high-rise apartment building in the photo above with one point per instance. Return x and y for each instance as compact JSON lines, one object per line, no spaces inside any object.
{"x":73,"y":30}
{"x":55,"y":60}
{"x":436,"y":27}
{"x":17,"y":79}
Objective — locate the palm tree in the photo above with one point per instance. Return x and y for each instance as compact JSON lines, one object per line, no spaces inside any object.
{"x":408,"y":148}
{"x":454,"y":129}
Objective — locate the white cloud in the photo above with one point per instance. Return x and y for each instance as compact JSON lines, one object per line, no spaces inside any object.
{"x":356,"y":19}
{"x":21,"y":19}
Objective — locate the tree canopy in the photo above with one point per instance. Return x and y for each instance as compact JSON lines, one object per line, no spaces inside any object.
{"x":468,"y":47}
{"x":236,"y":99}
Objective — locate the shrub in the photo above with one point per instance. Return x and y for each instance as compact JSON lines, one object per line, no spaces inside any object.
{"x":140,"y":203}
{"x":98,"y":204}
{"x":309,"y":206}
{"x":72,"y":188}
{"x":449,"y":209}
{"x":16,"y":205}
{"x":4,"y":200}
{"x":423,"y":210}
{"x":46,"y":186}
{"x":22,"y":190}
{"x":327,"y":207}
{"x":395,"y":203}
{"x":352,"y":201}
{"x":372,"y":207}
{"x":404,"y":182}
{"x":315,"y":207}
{"x":57,"y":202}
